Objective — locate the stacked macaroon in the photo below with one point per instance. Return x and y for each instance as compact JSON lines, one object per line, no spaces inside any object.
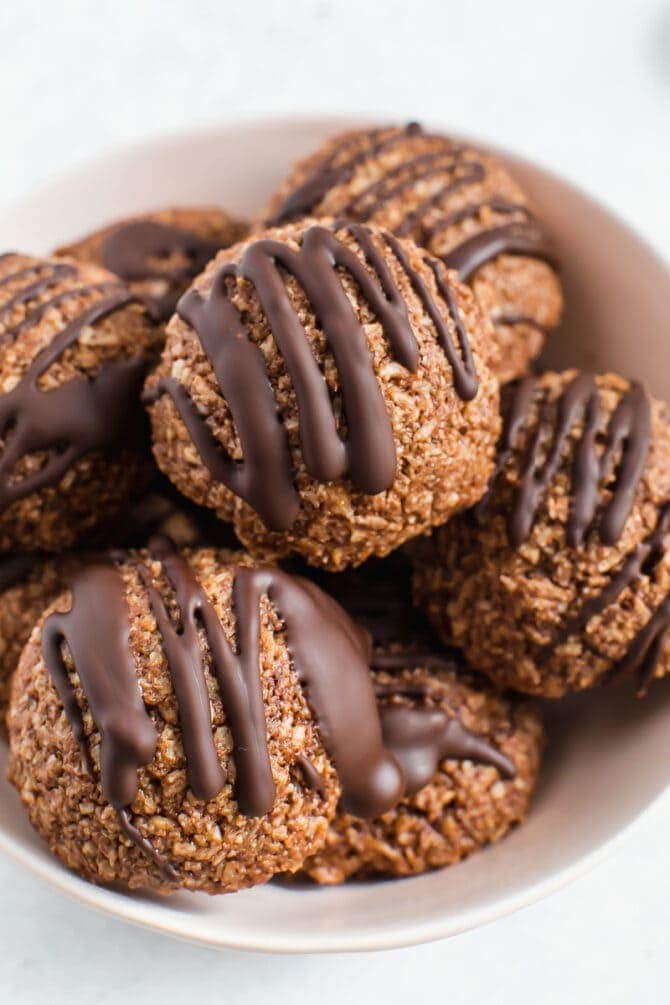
{"x":220,"y":677}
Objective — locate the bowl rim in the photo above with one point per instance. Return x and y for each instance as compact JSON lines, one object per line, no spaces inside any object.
{"x":142,"y":913}
{"x":117,"y":904}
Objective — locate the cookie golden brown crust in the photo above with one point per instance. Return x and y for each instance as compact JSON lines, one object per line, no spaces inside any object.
{"x":466,"y":805}
{"x":437,"y":437}
{"x":212,"y":845}
{"x":458,"y":203}
{"x":553,"y":588}
{"x":159,"y":254}
{"x":74,"y":347}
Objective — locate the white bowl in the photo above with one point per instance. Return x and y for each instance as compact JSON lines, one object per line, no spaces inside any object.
{"x":607,"y":757}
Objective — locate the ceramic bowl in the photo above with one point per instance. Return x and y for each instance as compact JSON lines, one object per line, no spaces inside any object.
{"x":607,"y":757}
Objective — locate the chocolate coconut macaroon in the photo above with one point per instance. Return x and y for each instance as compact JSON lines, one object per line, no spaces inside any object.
{"x":459,"y":203}
{"x":190,"y":720}
{"x":75,"y":347}
{"x":559,"y":579}
{"x":325,"y":387}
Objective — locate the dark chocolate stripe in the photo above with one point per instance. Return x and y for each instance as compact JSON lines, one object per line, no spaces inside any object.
{"x":495,"y":204}
{"x":35,"y":316}
{"x":508,"y":239}
{"x":645,"y":556}
{"x":471,"y":173}
{"x":405,"y":176}
{"x":421,"y":738}
{"x":330,"y":173}
{"x":644,"y":651}
{"x":463,"y":367}
{"x":96,"y":633}
{"x":55,"y":273}
{"x":627,"y":442}
{"x":166,"y":869}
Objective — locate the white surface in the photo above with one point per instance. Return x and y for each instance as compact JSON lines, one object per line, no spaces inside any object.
{"x":584,"y":87}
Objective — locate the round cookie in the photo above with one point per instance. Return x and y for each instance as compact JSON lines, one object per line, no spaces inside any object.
{"x":159,"y":254}
{"x":559,"y":578}
{"x":203,"y":767}
{"x":374,"y":360}
{"x":458,"y":203}
{"x":29,"y":583}
{"x":471,"y":759}
{"x":74,"y":351}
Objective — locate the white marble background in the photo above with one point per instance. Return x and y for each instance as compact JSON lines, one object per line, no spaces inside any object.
{"x":581,"y":86}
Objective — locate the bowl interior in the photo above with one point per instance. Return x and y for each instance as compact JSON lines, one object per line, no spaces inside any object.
{"x":606,"y":761}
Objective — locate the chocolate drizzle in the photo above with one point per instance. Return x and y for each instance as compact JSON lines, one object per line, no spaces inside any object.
{"x":329,"y":654}
{"x":618,"y":468}
{"x":134,"y":251}
{"x":645,"y":556}
{"x":643,"y":653}
{"x":96,"y":632}
{"x":79,"y":416}
{"x":462,"y":169}
{"x":421,"y":738}
{"x":522,"y":238}
{"x":405,"y":177}
{"x":335,"y":171}
{"x":264,"y":478}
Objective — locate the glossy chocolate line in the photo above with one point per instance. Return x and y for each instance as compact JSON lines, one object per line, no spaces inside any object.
{"x":368,"y":455}
{"x":181,"y":645}
{"x":473,"y":172}
{"x":646,"y":555}
{"x":79,"y":416}
{"x":96,"y":632}
{"x":462,"y":365}
{"x":421,"y":738}
{"x":644,"y":652}
{"x":304,"y":199}
{"x":627,"y":438}
{"x":520,"y":319}
{"x":424,"y":166}
{"x":509,"y":239}
{"x":64,"y":268}
{"x":330,"y":657}
{"x":128,"y":251}
{"x":311,"y":776}
{"x":166,"y":869}
{"x":55,"y":272}
{"x":34,"y":316}
{"x":495,"y":204}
